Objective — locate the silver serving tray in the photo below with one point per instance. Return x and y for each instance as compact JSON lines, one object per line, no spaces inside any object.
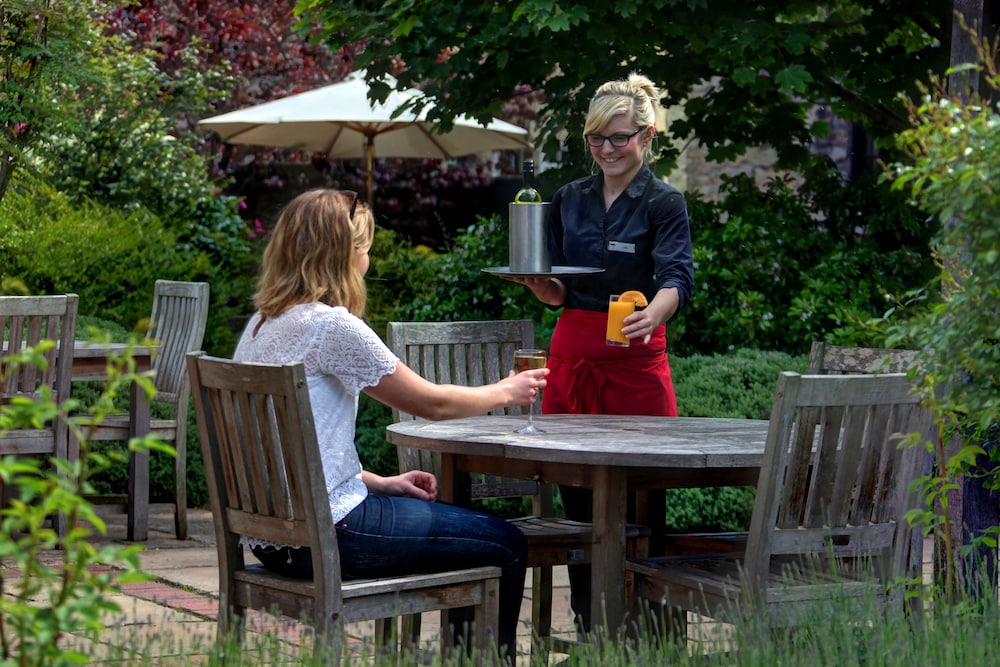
{"x":504,"y":271}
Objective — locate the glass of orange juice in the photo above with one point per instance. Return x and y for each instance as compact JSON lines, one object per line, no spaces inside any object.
{"x":618,"y":310}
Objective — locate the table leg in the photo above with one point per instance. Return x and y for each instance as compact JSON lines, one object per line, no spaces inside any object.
{"x":446,"y":480}
{"x":138,"y":468}
{"x":651,"y":510}
{"x":608,"y":578}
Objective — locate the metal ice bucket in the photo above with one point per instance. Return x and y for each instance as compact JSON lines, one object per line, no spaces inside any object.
{"x":529,"y":250}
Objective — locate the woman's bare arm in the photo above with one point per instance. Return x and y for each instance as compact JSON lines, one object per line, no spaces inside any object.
{"x":405,"y":390}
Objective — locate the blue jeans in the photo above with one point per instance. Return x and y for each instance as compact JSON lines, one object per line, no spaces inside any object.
{"x":390,"y":535}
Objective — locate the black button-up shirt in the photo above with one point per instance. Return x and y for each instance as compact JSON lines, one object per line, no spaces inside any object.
{"x":643,"y":242}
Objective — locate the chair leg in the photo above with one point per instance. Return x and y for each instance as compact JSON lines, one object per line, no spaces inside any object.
{"x":678,"y":623}
{"x":385,"y":635}
{"x":180,"y":490}
{"x":409,"y":630}
{"x":656,"y":620}
{"x":541,"y":614}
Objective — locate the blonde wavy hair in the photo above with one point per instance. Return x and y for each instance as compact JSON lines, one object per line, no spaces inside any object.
{"x":635,"y":96}
{"x":314,"y":252}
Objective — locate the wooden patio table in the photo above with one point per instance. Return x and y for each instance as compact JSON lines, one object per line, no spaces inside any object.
{"x":90,"y":361}
{"x":609,"y":454}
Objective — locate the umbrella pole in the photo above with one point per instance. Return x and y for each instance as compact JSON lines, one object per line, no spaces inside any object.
{"x":370,"y":159}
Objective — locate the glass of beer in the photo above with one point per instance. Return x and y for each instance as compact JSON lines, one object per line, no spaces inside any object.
{"x":524,"y":360}
{"x":618,"y":310}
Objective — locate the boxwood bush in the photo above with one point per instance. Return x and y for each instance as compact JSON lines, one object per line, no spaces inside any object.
{"x":779,"y":266}
{"x":736,"y":385}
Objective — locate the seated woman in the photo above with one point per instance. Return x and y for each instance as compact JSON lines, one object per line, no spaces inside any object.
{"x":310,"y":296}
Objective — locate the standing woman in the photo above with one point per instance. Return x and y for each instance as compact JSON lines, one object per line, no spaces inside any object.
{"x":635,"y":226}
{"x":310,"y":296}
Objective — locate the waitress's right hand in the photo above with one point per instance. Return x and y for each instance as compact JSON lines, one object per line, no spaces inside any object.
{"x":550,"y":291}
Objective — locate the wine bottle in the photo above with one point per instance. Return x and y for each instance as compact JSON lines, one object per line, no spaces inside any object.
{"x":528,"y":194}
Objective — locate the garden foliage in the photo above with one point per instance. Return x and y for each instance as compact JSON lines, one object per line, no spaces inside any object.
{"x":779,"y":266}
{"x":56,"y":586}
{"x":953,"y":168}
{"x":768,"y":62}
{"x":110,"y":190}
{"x":109,"y":256}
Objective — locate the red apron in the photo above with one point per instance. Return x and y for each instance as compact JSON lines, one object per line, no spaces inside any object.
{"x":587,"y":376}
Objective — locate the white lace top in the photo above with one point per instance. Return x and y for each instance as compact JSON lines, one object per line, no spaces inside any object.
{"x":342,"y":356}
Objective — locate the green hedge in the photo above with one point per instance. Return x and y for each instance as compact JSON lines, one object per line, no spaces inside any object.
{"x":780,"y":265}
{"x":736,"y":385}
{"x":739,"y":384}
{"x":112,"y":258}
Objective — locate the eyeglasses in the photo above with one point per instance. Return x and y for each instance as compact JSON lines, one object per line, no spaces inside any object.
{"x":353,"y":196}
{"x":617,"y":140}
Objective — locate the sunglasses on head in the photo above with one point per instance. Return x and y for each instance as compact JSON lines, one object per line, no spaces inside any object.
{"x":353,"y":197}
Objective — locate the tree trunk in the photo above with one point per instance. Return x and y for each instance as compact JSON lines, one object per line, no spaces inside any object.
{"x":974,"y":508}
{"x":6,"y":171}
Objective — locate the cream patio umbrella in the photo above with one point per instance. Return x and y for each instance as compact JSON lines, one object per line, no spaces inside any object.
{"x":339,"y":121}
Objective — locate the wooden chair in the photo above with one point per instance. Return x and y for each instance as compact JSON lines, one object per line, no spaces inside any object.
{"x":478,"y":353}
{"x":469,"y":354}
{"x":177,"y":325}
{"x":25,"y":321}
{"x":266,"y":482}
{"x":833,"y":489}
{"x":824,"y":359}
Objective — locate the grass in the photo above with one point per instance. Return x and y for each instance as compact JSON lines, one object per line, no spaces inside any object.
{"x":944,"y":636}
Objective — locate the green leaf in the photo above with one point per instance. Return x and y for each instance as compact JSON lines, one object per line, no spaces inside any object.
{"x":744,"y":76}
{"x":794,"y":79}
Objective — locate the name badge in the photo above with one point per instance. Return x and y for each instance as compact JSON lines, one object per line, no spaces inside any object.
{"x":618,"y":246}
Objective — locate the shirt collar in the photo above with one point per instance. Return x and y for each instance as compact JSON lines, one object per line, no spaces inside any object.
{"x":634,"y":189}
{"x":640,"y":182}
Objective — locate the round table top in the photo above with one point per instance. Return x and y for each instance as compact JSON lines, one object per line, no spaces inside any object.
{"x":632,"y":441}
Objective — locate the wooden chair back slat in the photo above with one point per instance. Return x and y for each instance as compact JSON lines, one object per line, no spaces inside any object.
{"x":177,"y":323}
